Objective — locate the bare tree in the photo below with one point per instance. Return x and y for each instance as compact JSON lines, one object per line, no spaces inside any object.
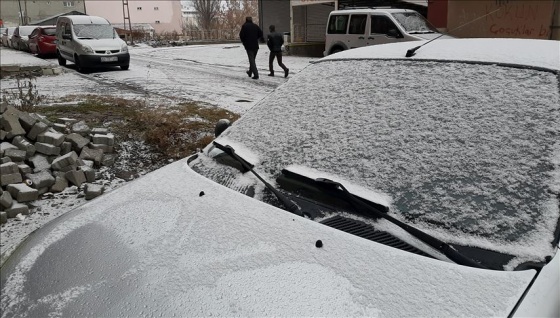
{"x":207,"y":10}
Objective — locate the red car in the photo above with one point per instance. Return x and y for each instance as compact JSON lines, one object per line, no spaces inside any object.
{"x":42,"y":41}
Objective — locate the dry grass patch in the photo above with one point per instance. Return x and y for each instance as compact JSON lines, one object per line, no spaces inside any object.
{"x":175,"y":132}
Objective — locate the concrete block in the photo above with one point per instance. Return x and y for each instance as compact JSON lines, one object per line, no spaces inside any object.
{"x":61,"y":128}
{"x":58,"y":174}
{"x":67,"y":121}
{"x":47,"y":149}
{"x":5,"y":146}
{"x":78,"y":141}
{"x":24,"y":169}
{"x":59,"y":185}
{"x":81,"y":128}
{"x":65,"y":148}
{"x":92,"y":154}
{"x":108,"y":160}
{"x":5,"y":160}
{"x":3,"y":107}
{"x":75,"y":177}
{"x":42,"y":191}
{"x":93,"y":191}
{"x":89,"y":173}
{"x":41,"y":179}
{"x":88,"y":163}
{"x":105,"y":148}
{"x":64,"y":161}
{"x":15,"y":154}
{"x":99,"y":131}
{"x":16,"y":209}
{"x":7,"y":179}
{"x":108,"y":139}
{"x":8,"y":168}
{"x":37,"y":129}
{"x":23,"y":144}
{"x":27,"y":121}
{"x":42,"y":119}
{"x":40,"y":163}
{"x":22,"y":192}
{"x":69,"y":168}
{"x":3,"y":134}
{"x":51,"y":137}
{"x":3,"y":217}
{"x":10,"y":123}
{"x":6,"y":200}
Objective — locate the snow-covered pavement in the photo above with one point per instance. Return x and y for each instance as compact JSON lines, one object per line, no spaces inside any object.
{"x":213,"y":74}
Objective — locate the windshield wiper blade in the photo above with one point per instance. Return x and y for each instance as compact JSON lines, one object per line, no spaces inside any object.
{"x":288,"y":204}
{"x":441,"y":246}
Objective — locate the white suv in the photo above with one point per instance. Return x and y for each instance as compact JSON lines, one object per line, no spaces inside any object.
{"x":348,"y":29}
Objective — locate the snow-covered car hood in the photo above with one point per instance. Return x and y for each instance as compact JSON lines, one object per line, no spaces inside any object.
{"x":431,"y":36}
{"x":103,"y":44}
{"x":174,"y":243}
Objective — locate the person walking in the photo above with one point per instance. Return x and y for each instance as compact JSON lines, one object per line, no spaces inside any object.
{"x":250,"y":35}
{"x":274,"y":40}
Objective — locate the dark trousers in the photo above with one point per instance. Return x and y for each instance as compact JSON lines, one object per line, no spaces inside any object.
{"x":278,"y":56}
{"x":252,"y":55}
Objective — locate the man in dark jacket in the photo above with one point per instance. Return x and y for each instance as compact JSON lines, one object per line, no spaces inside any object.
{"x":274,"y":40}
{"x":250,"y":35}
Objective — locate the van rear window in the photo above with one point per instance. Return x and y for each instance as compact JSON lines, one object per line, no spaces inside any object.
{"x":337,"y":24}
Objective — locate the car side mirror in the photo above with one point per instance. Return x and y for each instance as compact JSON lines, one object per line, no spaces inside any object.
{"x":67,"y":37}
{"x":394,"y":33}
{"x":221,"y":125}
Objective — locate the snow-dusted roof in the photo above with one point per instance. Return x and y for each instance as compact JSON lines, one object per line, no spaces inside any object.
{"x":534,"y":53}
{"x":86,"y":19}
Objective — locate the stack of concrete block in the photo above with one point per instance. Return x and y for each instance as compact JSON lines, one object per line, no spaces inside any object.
{"x":38,"y":156}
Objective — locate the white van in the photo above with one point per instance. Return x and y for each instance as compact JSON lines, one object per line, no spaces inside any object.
{"x":347,"y":29}
{"x":89,"y":41}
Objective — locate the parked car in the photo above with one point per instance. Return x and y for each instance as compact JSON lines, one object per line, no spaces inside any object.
{"x":7,"y":36}
{"x":20,"y":38}
{"x":42,"y":41}
{"x":89,"y":42}
{"x":369,"y":184}
{"x":352,"y":28}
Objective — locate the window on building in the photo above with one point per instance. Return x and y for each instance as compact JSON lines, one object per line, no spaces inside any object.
{"x":156,"y":8}
{"x":139,"y":8}
{"x":157,"y":21}
{"x":67,"y":3}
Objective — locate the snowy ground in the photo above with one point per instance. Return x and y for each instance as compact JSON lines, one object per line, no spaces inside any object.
{"x":213,"y":74}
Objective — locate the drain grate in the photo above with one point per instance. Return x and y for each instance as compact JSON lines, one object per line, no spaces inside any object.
{"x":366,"y":231}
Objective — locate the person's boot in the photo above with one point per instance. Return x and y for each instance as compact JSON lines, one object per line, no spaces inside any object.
{"x":271,"y":73}
{"x":249,"y":73}
{"x":286,"y":71}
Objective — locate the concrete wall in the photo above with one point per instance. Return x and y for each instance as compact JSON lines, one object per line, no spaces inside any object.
{"x":163,"y":15}
{"x":531,"y":19}
{"x":35,"y":10}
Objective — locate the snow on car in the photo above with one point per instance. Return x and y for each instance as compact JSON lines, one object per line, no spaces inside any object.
{"x":369,"y":184}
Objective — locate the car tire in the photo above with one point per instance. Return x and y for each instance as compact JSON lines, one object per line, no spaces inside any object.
{"x":61,"y":60}
{"x":125,"y":67}
{"x":336,"y":50}
{"x":39,"y":54}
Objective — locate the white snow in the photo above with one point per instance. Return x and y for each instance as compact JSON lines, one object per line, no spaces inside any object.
{"x":226,"y":254}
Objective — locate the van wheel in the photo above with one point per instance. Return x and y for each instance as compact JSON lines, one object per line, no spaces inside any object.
{"x":336,"y":50}
{"x":125,"y":67}
{"x":61,"y":60}
{"x":79,"y":66}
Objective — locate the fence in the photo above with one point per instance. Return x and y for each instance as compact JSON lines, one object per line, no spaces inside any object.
{"x":216,"y":34}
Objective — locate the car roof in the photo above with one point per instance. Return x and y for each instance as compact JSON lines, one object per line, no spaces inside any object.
{"x":85,"y":19}
{"x":371,"y":10}
{"x":539,"y":54}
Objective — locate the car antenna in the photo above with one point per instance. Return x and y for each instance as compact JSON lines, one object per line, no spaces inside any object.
{"x":412,"y":51}
{"x":288,"y":204}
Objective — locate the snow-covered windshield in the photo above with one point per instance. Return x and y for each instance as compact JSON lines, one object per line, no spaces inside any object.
{"x":471,"y":150}
{"x":413,"y":22}
{"x":94,"y":31}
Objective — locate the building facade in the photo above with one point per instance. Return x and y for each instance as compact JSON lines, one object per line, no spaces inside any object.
{"x":162,"y":15}
{"x":24,"y":12}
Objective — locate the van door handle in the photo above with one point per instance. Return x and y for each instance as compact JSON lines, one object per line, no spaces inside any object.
{"x":371,"y":38}
{"x":361,"y":38}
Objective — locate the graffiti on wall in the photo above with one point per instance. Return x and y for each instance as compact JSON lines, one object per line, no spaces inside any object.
{"x":500,"y":19}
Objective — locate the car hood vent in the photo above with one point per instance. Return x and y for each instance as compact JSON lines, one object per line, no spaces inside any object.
{"x":366,"y":231}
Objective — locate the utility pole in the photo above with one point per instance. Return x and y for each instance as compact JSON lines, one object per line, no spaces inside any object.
{"x":20,"y":13}
{"x":126,"y":16}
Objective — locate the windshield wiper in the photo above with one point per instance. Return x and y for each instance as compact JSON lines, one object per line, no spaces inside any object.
{"x":288,"y":204}
{"x":421,"y":32}
{"x":85,"y":38}
{"x":443,"y":247}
